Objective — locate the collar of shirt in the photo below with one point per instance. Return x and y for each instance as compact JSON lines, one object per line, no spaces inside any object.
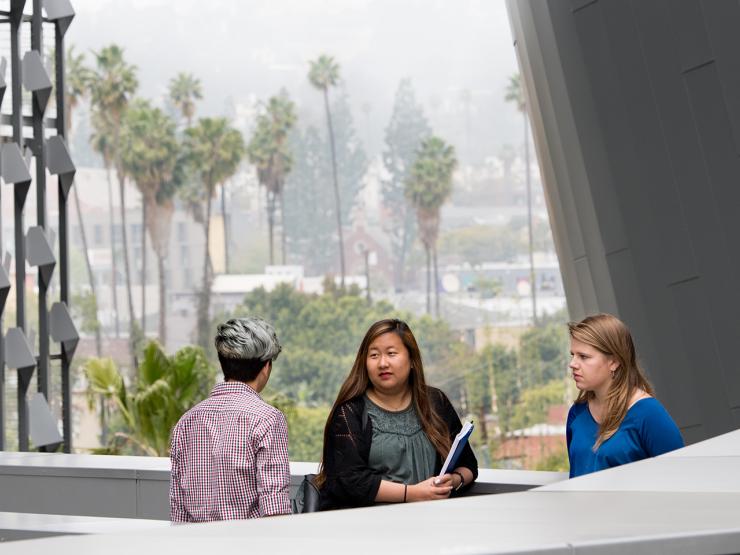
{"x":233,"y":387}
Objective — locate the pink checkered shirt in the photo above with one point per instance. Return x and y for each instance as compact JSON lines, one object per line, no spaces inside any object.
{"x":229,"y":457}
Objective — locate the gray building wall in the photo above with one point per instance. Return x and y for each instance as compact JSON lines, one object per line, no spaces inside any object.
{"x":635,"y":108}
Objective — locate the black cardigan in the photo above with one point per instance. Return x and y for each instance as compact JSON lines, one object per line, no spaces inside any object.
{"x":349,"y":480}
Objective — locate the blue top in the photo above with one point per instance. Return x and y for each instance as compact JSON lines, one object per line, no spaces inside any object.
{"x":646,"y":431}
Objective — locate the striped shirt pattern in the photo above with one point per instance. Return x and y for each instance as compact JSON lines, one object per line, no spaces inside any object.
{"x":229,"y":458}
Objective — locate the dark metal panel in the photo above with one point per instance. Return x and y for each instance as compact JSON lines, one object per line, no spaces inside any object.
{"x":596,"y":58}
{"x":689,"y":32}
{"x":580,"y":4}
{"x":699,"y":335}
{"x":641,"y":165}
{"x":679,"y":97}
{"x":583,"y":150}
{"x":723,"y":266}
{"x":723,"y":25}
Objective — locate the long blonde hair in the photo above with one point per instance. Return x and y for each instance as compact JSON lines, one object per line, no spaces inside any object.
{"x":610,"y":336}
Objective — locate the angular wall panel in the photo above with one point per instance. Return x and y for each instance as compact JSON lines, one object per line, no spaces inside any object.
{"x":634,"y":117}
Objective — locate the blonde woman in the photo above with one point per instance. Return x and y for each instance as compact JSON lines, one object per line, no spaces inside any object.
{"x":615,"y":419}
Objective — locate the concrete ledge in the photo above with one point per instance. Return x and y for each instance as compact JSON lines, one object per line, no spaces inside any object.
{"x":137,"y":487}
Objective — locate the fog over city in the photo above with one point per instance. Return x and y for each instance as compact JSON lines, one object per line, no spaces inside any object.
{"x":247,"y":50}
{"x":323,"y":164}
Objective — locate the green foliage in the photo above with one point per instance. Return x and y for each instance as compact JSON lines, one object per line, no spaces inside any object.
{"x":351,"y":158}
{"x":535,"y":402}
{"x":310,"y":227}
{"x":184,"y":89}
{"x":487,"y":287}
{"x":85,"y":311}
{"x":77,"y":79}
{"x":149,"y":148}
{"x":113,"y":84}
{"x":321,"y":335}
{"x":430,"y":182}
{"x":324,"y":72}
{"x":406,"y":130}
{"x":165,"y":387}
{"x":268,"y":149}
{"x":305,"y":425}
{"x":515,"y":92}
{"x":214,"y":150}
{"x":270,"y":153}
{"x":495,"y":370}
{"x":544,"y":354}
{"x":309,"y":203}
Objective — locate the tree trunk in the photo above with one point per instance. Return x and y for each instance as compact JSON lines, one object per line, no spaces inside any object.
{"x":283,"y":248}
{"x":482,"y":420}
{"x":90,"y":275}
{"x":271,"y":224}
{"x":532,"y":277}
{"x":162,"y":300}
{"x":204,"y":300}
{"x":429,"y":275}
{"x":143,"y":266}
{"x":158,"y":224}
{"x":336,"y":185}
{"x":103,"y":421}
{"x":226,"y":228}
{"x":399,"y":273}
{"x":436,"y":280}
{"x":124,"y":234}
{"x":114,"y":265}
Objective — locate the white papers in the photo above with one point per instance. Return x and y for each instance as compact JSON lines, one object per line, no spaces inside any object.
{"x":457,"y":446}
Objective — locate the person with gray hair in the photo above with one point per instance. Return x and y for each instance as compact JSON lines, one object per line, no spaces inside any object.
{"x":229,"y":453}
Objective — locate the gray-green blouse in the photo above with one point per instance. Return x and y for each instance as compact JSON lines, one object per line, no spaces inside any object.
{"x":400,"y":449}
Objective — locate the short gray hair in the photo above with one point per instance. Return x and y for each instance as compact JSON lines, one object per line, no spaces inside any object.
{"x":247,"y":339}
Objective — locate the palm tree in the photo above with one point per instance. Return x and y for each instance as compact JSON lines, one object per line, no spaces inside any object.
{"x":427,"y":189}
{"x":269,"y":152}
{"x":323,"y":74}
{"x":184,"y":90}
{"x":77,"y":81}
{"x":149,"y":151}
{"x":214,"y":151}
{"x":114,"y":84}
{"x":515,"y":94}
{"x":165,"y":387}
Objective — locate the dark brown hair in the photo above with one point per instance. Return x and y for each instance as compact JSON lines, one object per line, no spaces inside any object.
{"x":358,"y":382}
{"x":609,"y":335}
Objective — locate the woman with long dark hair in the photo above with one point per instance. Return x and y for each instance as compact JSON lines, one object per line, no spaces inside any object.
{"x":388,"y":432}
{"x":615,"y":419}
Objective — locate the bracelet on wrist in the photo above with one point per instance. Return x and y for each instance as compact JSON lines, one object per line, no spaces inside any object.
{"x":462,"y":479}
{"x":405,"y":491}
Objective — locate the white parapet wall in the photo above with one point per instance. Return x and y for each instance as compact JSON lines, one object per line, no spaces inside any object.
{"x":137,"y":487}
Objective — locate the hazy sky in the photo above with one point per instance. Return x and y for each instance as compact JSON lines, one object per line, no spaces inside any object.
{"x":242,"y":49}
